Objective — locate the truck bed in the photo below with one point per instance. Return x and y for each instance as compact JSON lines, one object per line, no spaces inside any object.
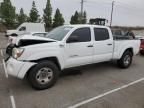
{"x":121,"y":37}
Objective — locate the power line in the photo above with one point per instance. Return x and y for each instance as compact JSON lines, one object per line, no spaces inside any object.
{"x":128,"y":5}
{"x":131,"y":7}
{"x":117,"y":3}
{"x":104,"y":2}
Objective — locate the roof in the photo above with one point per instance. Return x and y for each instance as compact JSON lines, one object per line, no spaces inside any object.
{"x":87,"y":25}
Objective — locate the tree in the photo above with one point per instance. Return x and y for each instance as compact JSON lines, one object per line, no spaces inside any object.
{"x":34,"y":16}
{"x":84,"y":18}
{"x":75,"y":19}
{"x":72,"y":20}
{"x":8,"y":14}
{"x":22,"y":17}
{"x":58,"y":19}
{"x":48,"y":15}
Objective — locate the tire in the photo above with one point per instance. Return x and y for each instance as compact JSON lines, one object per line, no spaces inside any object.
{"x":142,"y":53}
{"x":14,"y":35}
{"x":44,"y":75}
{"x":6,"y":36}
{"x":125,"y":60}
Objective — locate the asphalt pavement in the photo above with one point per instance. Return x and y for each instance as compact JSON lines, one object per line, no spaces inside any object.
{"x":102,"y":85}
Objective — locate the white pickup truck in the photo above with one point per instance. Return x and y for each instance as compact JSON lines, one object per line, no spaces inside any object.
{"x":41,"y":60}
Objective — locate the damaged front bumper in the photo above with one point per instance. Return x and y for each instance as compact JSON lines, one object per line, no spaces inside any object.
{"x":18,"y":68}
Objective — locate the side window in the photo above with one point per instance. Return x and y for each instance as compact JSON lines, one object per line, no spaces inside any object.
{"x":82,"y":34}
{"x":22,"y":29}
{"x":101,"y":34}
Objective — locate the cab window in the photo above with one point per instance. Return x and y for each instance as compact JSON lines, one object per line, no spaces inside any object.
{"x":101,"y":34}
{"x":82,"y":34}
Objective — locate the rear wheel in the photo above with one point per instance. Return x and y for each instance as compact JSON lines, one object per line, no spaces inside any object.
{"x":125,"y":60}
{"x":44,"y":75}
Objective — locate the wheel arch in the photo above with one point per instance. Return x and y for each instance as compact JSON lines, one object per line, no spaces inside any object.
{"x":130,"y":49}
{"x":53,"y":59}
{"x":14,"y":34}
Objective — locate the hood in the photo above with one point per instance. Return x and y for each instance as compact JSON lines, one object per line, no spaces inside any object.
{"x":26,"y":40}
{"x":11,"y":31}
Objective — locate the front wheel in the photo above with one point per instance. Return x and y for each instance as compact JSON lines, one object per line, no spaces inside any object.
{"x":44,"y":75}
{"x":125,"y":60}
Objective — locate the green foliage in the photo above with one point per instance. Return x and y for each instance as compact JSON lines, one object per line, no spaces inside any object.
{"x":84,"y":18}
{"x":22,"y":17}
{"x":48,"y":15}
{"x":72,"y":20}
{"x":78,"y":19}
{"x":8,"y":14}
{"x":58,"y":19}
{"x":34,"y":16}
{"x":75,"y":18}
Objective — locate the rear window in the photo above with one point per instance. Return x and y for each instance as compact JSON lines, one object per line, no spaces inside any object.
{"x":101,"y":34}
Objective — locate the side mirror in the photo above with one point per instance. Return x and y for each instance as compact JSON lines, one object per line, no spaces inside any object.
{"x":72,"y":39}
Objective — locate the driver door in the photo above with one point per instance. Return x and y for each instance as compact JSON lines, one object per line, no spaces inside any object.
{"x":22,"y":30}
{"x":79,"y":51}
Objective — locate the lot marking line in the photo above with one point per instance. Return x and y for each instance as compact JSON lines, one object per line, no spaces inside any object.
{"x":104,"y":94}
{"x":12,"y":101}
{"x":5,"y":70}
{"x":1,"y":53}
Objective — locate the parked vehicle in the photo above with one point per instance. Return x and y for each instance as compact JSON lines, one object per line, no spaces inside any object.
{"x":141,"y":38}
{"x":118,"y":33}
{"x":142,"y":46}
{"x":26,"y":28}
{"x":41,"y":60}
{"x":12,"y":39}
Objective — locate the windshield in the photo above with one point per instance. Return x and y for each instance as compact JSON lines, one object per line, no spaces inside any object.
{"x":59,"y":33}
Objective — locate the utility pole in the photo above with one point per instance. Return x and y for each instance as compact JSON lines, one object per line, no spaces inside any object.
{"x":82,"y":3}
{"x":112,"y":13}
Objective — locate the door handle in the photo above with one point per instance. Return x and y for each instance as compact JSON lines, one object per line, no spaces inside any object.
{"x":109,"y":44}
{"x":90,"y":46}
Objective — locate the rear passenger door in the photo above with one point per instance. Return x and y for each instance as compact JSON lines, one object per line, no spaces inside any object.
{"x":79,"y":52}
{"x":103,"y":45}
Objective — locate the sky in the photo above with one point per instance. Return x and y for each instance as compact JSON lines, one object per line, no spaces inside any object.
{"x":126,"y":12}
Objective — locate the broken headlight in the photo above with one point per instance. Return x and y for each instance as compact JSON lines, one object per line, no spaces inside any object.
{"x":17,"y":52}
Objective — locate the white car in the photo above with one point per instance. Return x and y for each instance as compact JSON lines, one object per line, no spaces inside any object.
{"x":12,"y":39}
{"x":139,"y":37}
{"x":41,"y":60}
{"x":26,"y":28}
